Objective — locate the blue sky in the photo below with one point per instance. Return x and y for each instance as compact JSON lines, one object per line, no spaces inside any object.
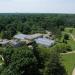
{"x":37,"y":6}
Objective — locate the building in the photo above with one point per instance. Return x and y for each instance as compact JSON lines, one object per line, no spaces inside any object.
{"x":4,"y":42}
{"x":27,"y":37}
{"x":35,"y":36}
{"x":47,"y":35}
{"x":20,"y":36}
{"x":44,"y":41}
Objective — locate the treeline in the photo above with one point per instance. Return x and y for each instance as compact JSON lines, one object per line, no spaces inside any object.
{"x":32,"y":23}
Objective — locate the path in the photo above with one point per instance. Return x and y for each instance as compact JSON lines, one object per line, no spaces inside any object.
{"x":68,"y":52}
{"x":73,"y":73}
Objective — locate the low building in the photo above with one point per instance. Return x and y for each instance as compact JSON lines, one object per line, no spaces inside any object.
{"x":44,"y":41}
{"x":16,"y":43}
{"x":13,"y":43}
{"x":4,"y":42}
{"x":27,"y":37}
{"x":20,"y":36}
{"x":35,"y":36}
{"x":47,"y":35}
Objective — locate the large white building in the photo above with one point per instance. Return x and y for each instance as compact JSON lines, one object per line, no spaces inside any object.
{"x":38,"y":38}
{"x":22,"y":39}
{"x":27,"y":37}
{"x":4,"y":42}
{"x":45,"y":41}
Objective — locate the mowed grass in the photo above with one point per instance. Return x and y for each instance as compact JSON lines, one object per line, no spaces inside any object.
{"x":69,"y":62}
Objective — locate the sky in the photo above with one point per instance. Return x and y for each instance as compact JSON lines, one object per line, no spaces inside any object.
{"x":37,"y":6}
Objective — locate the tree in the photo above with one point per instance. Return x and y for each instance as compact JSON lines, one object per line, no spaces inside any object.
{"x":6,"y":35}
{"x":39,"y":57}
{"x":53,"y":66}
{"x":23,"y":62}
{"x":12,"y":29}
{"x":66,"y":36}
{"x":71,"y":30}
{"x":7,"y":53}
{"x":26,"y":28}
{"x":62,"y":28}
{"x":61,"y":48}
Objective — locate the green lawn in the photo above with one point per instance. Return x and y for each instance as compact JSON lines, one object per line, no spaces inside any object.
{"x":69,"y":62}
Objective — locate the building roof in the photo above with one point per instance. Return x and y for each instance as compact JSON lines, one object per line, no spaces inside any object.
{"x":3,"y":41}
{"x":24,"y":36}
{"x":14,"y":42}
{"x":37,"y":35}
{"x":44,"y":41}
{"x":20,"y":36}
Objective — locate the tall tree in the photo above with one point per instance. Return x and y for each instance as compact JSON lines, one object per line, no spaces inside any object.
{"x":23,"y":62}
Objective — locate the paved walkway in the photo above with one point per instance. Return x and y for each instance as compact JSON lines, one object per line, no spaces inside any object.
{"x":73,"y":73}
{"x":68,"y":52}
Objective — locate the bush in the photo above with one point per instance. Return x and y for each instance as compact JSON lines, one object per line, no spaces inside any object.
{"x":62,"y":48}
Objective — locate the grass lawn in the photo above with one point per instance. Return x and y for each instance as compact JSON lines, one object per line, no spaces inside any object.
{"x":69,"y":62}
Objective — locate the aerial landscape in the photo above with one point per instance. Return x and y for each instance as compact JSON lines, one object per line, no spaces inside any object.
{"x":37,"y":37}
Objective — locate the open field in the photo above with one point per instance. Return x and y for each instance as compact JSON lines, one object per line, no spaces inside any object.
{"x":69,"y":62}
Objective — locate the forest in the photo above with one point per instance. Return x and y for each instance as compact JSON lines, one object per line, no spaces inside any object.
{"x":38,"y":60}
{"x":32,"y":23}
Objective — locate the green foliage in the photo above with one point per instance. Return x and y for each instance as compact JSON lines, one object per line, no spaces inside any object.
{"x":39,"y":57}
{"x":36,"y":61}
{"x":26,"y":29}
{"x":20,"y":62}
{"x":70,"y":41}
{"x":69,"y":62}
{"x":6,"y":35}
{"x":66,"y":36}
{"x":25,"y":61}
{"x":62,"y":47}
{"x":53,"y":66}
{"x":7,"y":53}
{"x":29,"y":23}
